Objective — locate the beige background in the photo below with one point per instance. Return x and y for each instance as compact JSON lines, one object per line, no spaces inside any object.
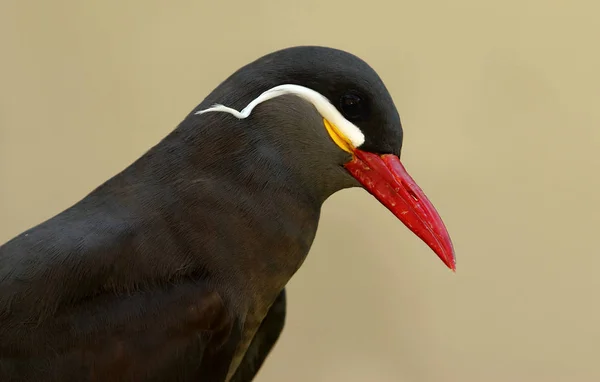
{"x":499,"y":100}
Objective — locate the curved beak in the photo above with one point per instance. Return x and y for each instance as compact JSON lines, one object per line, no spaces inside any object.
{"x":385,"y":177}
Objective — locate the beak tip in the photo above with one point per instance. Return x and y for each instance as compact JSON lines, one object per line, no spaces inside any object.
{"x":450,"y":261}
{"x":452,"y":265}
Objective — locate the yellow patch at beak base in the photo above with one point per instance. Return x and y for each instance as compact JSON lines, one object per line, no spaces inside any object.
{"x":338,"y":137}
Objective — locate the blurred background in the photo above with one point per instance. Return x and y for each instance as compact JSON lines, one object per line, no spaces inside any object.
{"x":500,"y":107}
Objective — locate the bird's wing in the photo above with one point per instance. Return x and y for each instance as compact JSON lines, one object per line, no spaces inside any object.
{"x":67,"y":315}
{"x":170,"y":332}
{"x":265,"y":338}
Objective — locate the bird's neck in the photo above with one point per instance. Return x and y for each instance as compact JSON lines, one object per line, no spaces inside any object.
{"x":237,"y":212}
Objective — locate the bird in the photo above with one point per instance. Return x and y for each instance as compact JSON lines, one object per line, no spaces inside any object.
{"x":175,"y":268}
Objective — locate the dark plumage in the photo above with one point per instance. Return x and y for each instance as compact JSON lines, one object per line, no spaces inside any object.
{"x":166,"y":271}
{"x":267,"y":334}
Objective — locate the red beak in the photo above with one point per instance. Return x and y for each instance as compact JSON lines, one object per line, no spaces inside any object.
{"x":385,"y":178}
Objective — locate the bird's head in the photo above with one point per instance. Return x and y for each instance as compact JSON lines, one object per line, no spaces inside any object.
{"x":358,"y":120}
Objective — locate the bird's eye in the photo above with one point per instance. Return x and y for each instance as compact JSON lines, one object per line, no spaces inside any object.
{"x":352,"y":105}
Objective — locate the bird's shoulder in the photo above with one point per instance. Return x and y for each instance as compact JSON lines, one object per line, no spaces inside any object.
{"x":86,"y":253}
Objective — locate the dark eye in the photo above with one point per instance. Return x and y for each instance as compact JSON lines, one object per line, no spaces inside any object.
{"x":353,"y":106}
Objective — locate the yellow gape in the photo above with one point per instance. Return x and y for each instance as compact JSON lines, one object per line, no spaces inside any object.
{"x":343,"y":142}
